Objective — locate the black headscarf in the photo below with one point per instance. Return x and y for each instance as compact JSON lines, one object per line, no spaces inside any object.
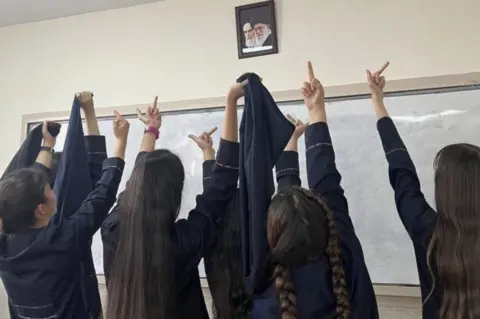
{"x":264,"y":133}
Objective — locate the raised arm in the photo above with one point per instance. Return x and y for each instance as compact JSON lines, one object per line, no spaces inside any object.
{"x":109,"y":232}
{"x":416,"y":214}
{"x":196,"y":234}
{"x":44,"y":158}
{"x":88,"y":219}
{"x":287,"y":168}
{"x":323,"y":176}
{"x":94,"y":142}
{"x":153,"y":121}
{"x":204,"y":141}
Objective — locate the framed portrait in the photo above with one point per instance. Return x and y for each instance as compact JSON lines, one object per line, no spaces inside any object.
{"x":256,"y":29}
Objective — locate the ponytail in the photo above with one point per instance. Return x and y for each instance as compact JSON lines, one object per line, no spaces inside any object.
{"x":286,"y":292}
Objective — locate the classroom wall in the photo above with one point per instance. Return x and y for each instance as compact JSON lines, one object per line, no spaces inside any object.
{"x":183,"y":49}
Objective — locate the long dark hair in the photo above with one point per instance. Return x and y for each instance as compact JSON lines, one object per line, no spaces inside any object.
{"x":21,"y":192}
{"x":300,"y":230}
{"x":142,"y":282}
{"x":223,"y":267}
{"x":454,"y":250}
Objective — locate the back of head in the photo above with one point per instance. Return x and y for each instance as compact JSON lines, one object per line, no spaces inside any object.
{"x":301,"y":230}
{"x":454,"y":251}
{"x":21,"y":192}
{"x":224,"y":269}
{"x":142,"y":282}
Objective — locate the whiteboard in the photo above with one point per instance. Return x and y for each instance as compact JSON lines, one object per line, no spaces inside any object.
{"x":426,"y":122}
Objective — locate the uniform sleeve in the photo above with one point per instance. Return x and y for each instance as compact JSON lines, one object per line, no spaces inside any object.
{"x":287,"y":170}
{"x":109,"y":232}
{"x":416,"y":214}
{"x":196,"y":234}
{"x":207,"y":168}
{"x":89,"y":217}
{"x":323,"y":176}
{"x":97,"y":152}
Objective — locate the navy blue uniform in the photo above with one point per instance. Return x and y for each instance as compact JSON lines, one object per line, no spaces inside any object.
{"x":313,"y":282}
{"x":416,"y":214}
{"x":40,"y":268}
{"x":287,"y":176}
{"x":192,"y":236}
{"x":264,"y":133}
{"x":28,"y":151}
{"x":73,"y":183}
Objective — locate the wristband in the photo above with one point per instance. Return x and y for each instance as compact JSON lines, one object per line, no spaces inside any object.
{"x":46,"y":149}
{"x":153,"y":130}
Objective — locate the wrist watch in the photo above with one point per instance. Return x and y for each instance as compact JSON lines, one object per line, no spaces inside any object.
{"x":46,"y":149}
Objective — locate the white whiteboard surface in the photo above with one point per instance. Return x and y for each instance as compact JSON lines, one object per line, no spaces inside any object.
{"x":426,"y":122}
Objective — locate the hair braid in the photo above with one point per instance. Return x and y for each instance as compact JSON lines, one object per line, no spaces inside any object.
{"x":333,"y":252}
{"x":338,"y":272}
{"x":286,"y":292}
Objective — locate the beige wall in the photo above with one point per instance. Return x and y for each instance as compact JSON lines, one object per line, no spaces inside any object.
{"x":183,"y":50}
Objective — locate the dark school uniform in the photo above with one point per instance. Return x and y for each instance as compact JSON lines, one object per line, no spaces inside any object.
{"x":193,"y":236}
{"x":287,"y":170}
{"x":73,"y":183}
{"x":287,"y":176}
{"x":207,"y":167}
{"x":264,"y":133}
{"x":28,"y":151}
{"x":416,"y":214}
{"x":80,"y":169}
{"x":313,"y":282}
{"x":40,"y":268}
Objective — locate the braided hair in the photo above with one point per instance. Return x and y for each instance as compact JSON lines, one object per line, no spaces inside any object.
{"x":301,"y":229}
{"x":338,"y":272}
{"x":286,"y":292}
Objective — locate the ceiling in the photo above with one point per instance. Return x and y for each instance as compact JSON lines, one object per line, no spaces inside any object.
{"x":24,"y":11}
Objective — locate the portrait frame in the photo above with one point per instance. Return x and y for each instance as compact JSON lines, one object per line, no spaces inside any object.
{"x":264,"y":39}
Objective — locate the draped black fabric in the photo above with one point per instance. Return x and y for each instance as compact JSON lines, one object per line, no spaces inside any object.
{"x":264,"y":133}
{"x":72,"y":186}
{"x":28,"y":152}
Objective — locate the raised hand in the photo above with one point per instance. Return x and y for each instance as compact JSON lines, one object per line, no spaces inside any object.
{"x":86,"y":100}
{"x":300,"y":127}
{"x":312,"y":91}
{"x":236,"y":91}
{"x":152,"y":117}
{"x":204,"y":140}
{"x":120,"y":127}
{"x":376,"y":82}
{"x":48,"y":139}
